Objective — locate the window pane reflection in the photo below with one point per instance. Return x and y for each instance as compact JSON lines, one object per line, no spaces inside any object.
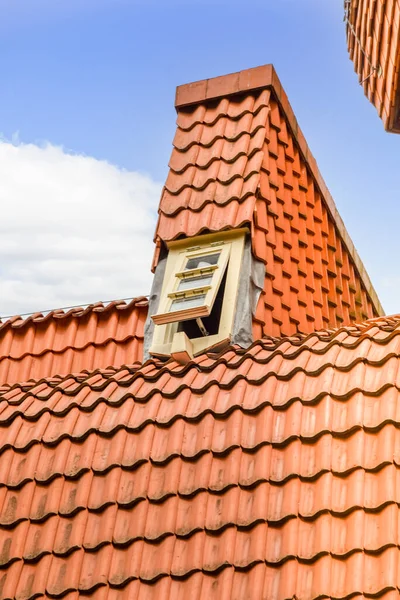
{"x":193,"y":282}
{"x":184,"y":303}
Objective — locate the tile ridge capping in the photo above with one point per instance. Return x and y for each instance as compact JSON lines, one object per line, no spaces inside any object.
{"x":225,"y":85}
{"x":80,"y":310}
{"x":266,"y":77}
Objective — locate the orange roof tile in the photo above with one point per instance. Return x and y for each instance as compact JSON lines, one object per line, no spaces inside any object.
{"x":266,"y":473}
{"x":240,"y":158}
{"x":63,"y":342}
{"x":270,"y":472}
{"x":373,"y":42}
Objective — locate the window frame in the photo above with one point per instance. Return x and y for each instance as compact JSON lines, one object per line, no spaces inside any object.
{"x":164,"y":315}
{"x":234,"y":241}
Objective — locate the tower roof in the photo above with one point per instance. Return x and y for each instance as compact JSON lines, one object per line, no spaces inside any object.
{"x":240,"y":158}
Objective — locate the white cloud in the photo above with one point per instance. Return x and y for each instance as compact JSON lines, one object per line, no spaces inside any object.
{"x":73,"y":229}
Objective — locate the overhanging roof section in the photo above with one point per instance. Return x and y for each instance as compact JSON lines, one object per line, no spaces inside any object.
{"x":373,"y":42}
{"x":240,"y":158}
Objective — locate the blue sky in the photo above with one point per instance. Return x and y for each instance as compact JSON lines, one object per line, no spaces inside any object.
{"x":98,"y":77}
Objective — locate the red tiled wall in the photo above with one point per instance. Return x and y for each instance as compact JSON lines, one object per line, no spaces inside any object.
{"x":214,"y":167}
{"x":235,"y":161}
{"x":310,"y":280}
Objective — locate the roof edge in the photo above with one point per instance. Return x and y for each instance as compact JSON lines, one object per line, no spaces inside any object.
{"x":80,"y":310}
{"x":382,"y":85}
{"x":329,"y":201}
{"x":266,"y":77}
{"x":225,"y":85}
{"x":393,"y":120}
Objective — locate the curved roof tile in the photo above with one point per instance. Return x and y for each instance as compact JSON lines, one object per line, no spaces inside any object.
{"x":240,"y":159}
{"x":373,"y":42}
{"x":61,"y":342}
{"x":271,"y":472}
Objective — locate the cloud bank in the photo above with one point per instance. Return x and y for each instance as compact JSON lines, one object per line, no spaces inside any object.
{"x":73,"y":229}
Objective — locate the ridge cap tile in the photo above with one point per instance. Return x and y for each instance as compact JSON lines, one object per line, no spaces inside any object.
{"x":226,"y":85}
{"x":74,"y":311}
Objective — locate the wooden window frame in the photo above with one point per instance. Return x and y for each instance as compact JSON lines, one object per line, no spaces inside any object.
{"x":231,"y":246}
{"x":217,"y":271}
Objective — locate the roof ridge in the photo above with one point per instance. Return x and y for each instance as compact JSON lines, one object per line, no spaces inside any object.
{"x":390,"y":323}
{"x":212,"y":88}
{"x":79,"y":310}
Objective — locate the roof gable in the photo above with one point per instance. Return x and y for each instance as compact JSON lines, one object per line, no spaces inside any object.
{"x":240,"y":158}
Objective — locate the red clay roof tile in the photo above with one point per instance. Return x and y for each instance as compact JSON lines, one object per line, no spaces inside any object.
{"x":271,"y":471}
{"x":373,"y":42}
{"x":239,"y":158}
{"x":80,"y":339}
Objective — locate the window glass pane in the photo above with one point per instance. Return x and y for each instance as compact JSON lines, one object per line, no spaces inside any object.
{"x":190,"y":302}
{"x":199,"y":262}
{"x":193,"y":282}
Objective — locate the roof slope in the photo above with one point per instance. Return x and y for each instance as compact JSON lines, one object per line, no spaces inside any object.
{"x":267,"y":473}
{"x":240,"y":158}
{"x":373,"y":41}
{"x":63,"y":342}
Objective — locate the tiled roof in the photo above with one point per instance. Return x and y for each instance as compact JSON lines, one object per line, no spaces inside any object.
{"x":240,"y":158}
{"x":266,"y":473}
{"x":373,"y":41}
{"x":80,"y":339}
